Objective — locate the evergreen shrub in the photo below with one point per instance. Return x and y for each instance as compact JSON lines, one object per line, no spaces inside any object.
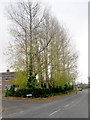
{"x":10,"y":92}
{"x":39,"y":92}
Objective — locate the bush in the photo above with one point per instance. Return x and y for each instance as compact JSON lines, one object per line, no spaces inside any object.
{"x":22,"y":92}
{"x":41,"y":92}
{"x":10,"y":92}
{"x":7,"y":93}
{"x":38,"y":92}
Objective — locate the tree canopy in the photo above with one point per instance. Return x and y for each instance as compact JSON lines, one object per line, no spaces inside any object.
{"x":41,"y":53}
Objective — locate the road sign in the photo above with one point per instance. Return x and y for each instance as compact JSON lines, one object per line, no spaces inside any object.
{"x":29,"y":95}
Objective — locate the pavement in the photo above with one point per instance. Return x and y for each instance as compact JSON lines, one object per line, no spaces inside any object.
{"x":69,"y":106}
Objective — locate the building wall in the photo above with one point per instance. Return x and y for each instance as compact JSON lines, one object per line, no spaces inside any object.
{"x":6,"y":77}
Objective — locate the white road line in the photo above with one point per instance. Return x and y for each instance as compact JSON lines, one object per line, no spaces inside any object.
{"x":67,"y":105}
{"x":12,"y":114}
{"x":54,"y":112}
{"x":21,"y":111}
{"x":72,"y":101}
{"x":15,"y":113}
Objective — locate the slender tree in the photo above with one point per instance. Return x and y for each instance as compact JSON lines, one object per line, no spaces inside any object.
{"x":41,"y":48}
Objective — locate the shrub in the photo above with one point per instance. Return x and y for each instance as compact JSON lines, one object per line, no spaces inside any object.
{"x":10,"y":92}
{"x":41,"y":92}
{"x":7,"y":93}
{"x":22,"y":92}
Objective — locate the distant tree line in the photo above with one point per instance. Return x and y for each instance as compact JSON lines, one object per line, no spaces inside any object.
{"x":40,"y":51}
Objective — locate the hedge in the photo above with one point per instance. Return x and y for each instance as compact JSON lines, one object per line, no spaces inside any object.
{"x":40,"y":92}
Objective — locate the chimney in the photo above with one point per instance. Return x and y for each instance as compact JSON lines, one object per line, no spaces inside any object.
{"x":8,"y":70}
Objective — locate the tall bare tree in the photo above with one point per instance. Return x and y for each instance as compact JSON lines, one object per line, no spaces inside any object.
{"x":41,"y":47}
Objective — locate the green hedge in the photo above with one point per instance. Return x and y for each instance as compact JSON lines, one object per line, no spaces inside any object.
{"x":39,"y":92}
{"x":10,"y":92}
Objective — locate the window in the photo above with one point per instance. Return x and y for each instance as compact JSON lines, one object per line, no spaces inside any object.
{"x":7,"y":87}
{"x":7,"y":78}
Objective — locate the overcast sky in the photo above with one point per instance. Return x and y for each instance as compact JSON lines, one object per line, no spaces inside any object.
{"x":73,"y":14}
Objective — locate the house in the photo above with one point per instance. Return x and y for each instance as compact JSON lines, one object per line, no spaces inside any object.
{"x":5,"y":78}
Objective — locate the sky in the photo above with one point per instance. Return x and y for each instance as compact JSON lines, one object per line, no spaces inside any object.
{"x":72,"y":14}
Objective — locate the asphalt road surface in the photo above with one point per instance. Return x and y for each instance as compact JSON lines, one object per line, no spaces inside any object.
{"x":72,"y":106}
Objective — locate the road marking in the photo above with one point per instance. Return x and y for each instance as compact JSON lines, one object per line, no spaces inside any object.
{"x":54,"y":112}
{"x":12,"y":114}
{"x":72,"y":101}
{"x":67,"y":105}
{"x":15,"y":113}
{"x":21,"y":111}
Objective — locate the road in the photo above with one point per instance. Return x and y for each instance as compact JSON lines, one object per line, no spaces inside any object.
{"x":72,"y":106}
